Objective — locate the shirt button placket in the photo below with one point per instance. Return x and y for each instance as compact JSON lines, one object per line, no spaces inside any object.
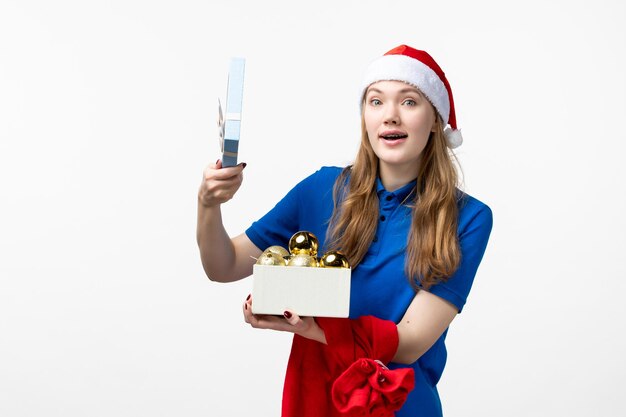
{"x":385,"y":207}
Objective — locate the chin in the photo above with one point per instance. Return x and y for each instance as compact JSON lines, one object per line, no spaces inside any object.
{"x":393,"y":158}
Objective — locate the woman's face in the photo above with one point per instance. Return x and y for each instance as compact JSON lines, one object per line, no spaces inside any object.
{"x":398,"y":120}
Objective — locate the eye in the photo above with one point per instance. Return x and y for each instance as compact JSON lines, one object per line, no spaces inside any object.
{"x":375,"y":102}
{"x":410,"y":102}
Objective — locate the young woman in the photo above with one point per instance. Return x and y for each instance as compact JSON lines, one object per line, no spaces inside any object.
{"x":414,"y":242}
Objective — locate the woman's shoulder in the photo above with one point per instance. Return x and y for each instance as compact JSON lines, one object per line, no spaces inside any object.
{"x":322,"y":179}
{"x":473,"y":213}
{"x":324,"y":175}
{"x":330,"y":171}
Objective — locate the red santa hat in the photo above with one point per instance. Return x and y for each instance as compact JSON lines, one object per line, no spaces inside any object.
{"x":419,"y":69}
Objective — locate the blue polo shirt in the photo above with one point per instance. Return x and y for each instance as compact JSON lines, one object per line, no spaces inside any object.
{"x":379,"y":285}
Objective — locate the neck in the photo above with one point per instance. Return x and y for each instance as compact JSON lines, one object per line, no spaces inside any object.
{"x":394,"y":176}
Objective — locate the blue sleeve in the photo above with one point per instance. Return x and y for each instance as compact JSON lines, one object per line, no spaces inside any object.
{"x":475,"y":223}
{"x":278,"y":225}
{"x":306,"y":207}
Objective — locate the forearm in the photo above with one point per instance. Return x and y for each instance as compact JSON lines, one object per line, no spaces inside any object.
{"x":224,"y":259}
{"x":427,"y":317}
{"x":217,"y":251}
{"x":411,"y":346}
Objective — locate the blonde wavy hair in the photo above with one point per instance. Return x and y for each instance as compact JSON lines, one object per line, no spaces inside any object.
{"x":432,"y":252}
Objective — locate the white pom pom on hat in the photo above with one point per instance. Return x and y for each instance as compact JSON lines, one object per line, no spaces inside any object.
{"x":419,"y":69}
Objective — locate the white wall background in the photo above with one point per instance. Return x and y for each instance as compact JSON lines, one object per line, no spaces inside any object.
{"x":107,"y":119}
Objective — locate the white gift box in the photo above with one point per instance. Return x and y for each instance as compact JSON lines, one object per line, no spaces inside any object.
{"x":306,"y":291}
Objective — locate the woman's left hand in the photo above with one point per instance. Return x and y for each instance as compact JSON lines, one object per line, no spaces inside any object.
{"x":291,"y":322}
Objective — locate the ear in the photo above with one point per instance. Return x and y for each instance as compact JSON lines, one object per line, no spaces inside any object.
{"x":436,"y":122}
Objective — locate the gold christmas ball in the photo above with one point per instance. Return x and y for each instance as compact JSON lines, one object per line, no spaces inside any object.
{"x":302,"y":259}
{"x":270,"y":258}
{"x":303,"y":243}
{"x":334,"y":259}
{"x":278,"y":250}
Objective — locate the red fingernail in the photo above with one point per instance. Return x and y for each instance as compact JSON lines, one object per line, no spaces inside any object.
{"x":217,"y":162}
{"x":244,"y":164}
{"x":248,"y":297}
{"x":287,"y":314}
{"x":245,"y":306}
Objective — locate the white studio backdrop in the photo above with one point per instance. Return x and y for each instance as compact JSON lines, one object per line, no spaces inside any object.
{"x":108,"y":117}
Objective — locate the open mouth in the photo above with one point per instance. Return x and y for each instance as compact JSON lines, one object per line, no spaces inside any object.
{"x":393,"y":136}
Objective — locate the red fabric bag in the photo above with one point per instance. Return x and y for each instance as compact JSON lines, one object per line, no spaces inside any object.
{"x":369,"y":388}
{"x":343,"y":377}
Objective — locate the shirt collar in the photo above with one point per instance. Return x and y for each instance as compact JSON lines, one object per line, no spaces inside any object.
{"x":401,"y":193}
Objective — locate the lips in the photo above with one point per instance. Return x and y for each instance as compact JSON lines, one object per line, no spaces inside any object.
{"x":393,"y":135}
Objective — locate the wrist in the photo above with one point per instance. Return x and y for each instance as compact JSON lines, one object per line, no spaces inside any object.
{"x":207,"y":203}
{"x":208,"y":212}
{"x":317,"y":333}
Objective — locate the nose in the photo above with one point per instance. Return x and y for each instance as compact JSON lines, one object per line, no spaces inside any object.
{"x":392,"y":116}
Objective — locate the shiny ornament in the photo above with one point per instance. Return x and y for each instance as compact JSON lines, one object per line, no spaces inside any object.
{"x":303,"y":243}
{"x":278,"y":250}
{"x":270,"y":258}
{"x":302,"y":260}
{"x":334,"y":259}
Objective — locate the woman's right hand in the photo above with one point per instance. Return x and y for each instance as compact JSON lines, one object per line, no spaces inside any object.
{"x":220,"y":184}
